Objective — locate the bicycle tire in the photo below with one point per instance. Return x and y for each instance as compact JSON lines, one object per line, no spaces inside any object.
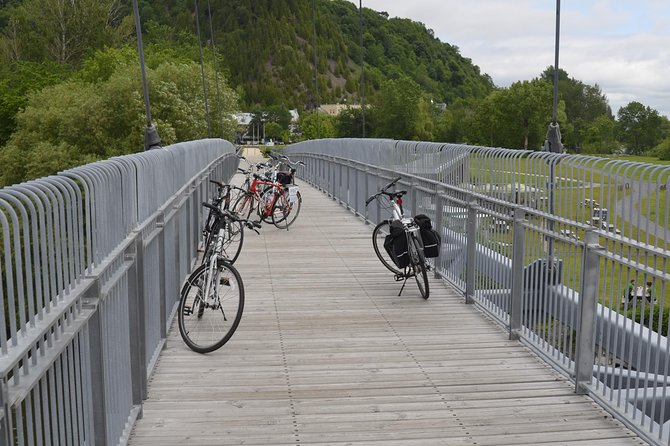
{"x":284,"y":212}
{"x":232,"y":241}
{"x":378,"y":237}
{"x":206,"y":327}
{"x":418,"y":266}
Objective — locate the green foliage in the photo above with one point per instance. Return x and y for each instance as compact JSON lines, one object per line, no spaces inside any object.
{"x":100,"y":113}
{"x":16,"y":82}
{"x":349,"y":123}
{"x":650,"y":317}
{"x":514,"y":117}
{"x":404,"y":111}
{"x":640,"y":127}
{"x":274,"y":63}
{"x":600,"y":136}
{"x":583,"y":105}
{"x":61,"y":32}
{"x":663,"y":150}
{"x":317,"y":125}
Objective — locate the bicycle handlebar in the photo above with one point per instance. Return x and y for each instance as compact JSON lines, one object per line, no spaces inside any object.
{"x":219,"y":184}
{"x":392,"y":183}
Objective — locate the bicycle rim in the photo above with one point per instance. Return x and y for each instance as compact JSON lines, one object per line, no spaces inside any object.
{"x":207,"y":324}
{"x":378,"y":237}
{"x":234,"y":238}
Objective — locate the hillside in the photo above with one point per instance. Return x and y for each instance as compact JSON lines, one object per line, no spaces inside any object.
{"x":268,"y":51}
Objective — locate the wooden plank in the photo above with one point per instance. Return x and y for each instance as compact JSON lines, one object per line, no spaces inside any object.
{"x":328,"y":353}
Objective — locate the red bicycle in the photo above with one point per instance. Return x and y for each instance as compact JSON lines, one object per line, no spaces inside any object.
{"x":274,"y":202}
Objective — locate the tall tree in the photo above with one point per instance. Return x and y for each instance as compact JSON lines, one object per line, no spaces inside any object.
{"x":640,"y":127}
{"x":62,"y":31}
{"x":403,"y":112}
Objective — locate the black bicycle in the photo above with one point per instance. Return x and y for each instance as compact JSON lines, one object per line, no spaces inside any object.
{"x":398,"y":242}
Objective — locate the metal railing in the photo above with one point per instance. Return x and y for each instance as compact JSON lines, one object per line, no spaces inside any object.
{"x":92,"y":261}
{"x":546,"y":244}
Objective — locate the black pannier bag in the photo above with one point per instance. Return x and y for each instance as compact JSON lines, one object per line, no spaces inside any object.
{"x":284,"y":177}
{"x":431,"y":238}
{"x":395,"y":244}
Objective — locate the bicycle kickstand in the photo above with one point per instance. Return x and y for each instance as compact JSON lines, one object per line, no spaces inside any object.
{"x":403,"y":285}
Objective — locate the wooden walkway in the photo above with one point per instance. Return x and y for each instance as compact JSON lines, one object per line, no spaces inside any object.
{"x":327,"y":353}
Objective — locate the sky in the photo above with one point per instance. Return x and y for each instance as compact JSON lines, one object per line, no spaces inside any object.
{"x":623,"y":46}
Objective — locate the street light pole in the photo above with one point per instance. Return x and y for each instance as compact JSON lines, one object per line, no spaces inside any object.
{"x":360,"y":17}
{"x":553,"y":141}
{"x":151,"y":138}
{"x":316,"y":74}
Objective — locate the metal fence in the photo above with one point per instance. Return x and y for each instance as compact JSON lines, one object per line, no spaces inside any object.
{"x":92,"y":261}
{"x":569,"y":253}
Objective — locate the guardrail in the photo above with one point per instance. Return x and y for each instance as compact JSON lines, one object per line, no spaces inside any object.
{"x":92,"y":261}
{"x":547,"y":245}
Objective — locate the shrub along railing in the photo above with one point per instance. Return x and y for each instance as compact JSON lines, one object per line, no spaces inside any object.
{"x":92,"y":260}
{"x":547,"y":245}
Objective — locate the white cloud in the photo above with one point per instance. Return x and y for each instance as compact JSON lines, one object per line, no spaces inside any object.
{"x":622,"y":46}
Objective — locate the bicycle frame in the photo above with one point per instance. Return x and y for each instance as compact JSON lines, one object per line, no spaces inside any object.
{"x":266,"y":208}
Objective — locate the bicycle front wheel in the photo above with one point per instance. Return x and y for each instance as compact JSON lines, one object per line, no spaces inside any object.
{"x":244,"y":204}
{"x":285,"y":211}
{"x":233,"y":238}
{"x":378,"y":237}
{"x":207,"y":322}
{"x":418,"y":266}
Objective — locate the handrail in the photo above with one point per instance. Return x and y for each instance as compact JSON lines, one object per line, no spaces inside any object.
{"x":92,"y":260}
{"x":546,"y":245}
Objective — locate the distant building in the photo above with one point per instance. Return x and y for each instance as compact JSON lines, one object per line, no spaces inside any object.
{"x":336,"y":109}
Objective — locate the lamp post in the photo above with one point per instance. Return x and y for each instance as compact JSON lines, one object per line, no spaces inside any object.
{"x":360,"y":17}
{"x":151,"y":138}
{"x":553,"y":142}
{"x":316,"y":74}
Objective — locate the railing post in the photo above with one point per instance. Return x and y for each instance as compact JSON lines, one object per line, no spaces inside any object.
{"x":137,"y":321}
{"x":471,"y":247}
{"x":516,"y":297}
{"x":439,"y":221}
{"x":413,"y":194}
{"x":162,"y":311}
{"x":587,"y":312}
{"x":96,"y":352}
{"x":337,"y":192}
{"x":5,"y":425}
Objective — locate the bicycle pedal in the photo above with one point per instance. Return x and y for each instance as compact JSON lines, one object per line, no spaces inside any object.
{"x":399,"y":277}
{"x":224,"y":281}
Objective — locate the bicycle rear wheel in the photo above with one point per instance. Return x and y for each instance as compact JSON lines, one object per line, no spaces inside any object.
{"x":378,"y":237}
{"x":207,"y":324}
{"x":284,"y":211}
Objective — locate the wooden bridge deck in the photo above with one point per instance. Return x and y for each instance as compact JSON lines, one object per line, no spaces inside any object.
{"x":327,"y":353}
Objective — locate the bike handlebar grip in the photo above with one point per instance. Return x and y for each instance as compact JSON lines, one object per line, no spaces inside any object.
{"x":391,"y":183}
{"x":218,"y":183}
{"x":369,"y":200}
